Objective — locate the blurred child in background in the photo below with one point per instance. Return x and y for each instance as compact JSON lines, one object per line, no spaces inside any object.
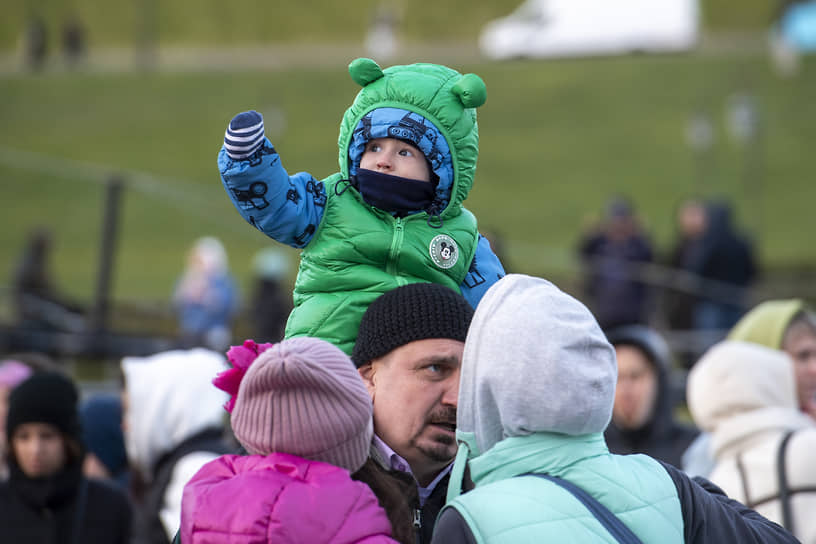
{"x":206,"y":296}
{"x":46,"y":498}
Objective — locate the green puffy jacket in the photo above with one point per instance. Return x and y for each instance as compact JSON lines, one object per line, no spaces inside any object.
{"x":359,"y":252}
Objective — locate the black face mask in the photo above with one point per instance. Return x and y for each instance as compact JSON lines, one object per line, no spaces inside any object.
{"x":393,"y":193}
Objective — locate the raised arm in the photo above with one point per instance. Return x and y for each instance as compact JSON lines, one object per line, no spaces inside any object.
{"x":286,"y":208}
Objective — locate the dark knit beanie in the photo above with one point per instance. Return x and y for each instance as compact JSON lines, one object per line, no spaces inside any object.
{"x":46,"y":397}
{"x":416,"y":311}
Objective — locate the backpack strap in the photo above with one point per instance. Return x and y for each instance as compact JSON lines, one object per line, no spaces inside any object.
{"x":610,"y":521}
{"x":784,"y":491}
{"x":744,"y":481}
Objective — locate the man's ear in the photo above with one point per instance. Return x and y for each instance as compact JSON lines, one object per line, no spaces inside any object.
{"x":368,"y":373}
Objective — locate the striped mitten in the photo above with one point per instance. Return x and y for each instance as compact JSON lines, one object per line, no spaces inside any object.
{"x":245,"y":135}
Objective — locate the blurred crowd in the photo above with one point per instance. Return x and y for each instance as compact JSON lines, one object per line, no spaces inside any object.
{"x":703,"y":279}
{"x":144,"y":464}
{"x":139,"y":465}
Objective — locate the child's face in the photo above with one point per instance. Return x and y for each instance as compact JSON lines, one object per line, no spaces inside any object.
{"x":396,"y":158}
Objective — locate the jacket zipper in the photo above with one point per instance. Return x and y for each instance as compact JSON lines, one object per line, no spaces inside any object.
{"x":418,"y":525}
{"x":396,"y":244}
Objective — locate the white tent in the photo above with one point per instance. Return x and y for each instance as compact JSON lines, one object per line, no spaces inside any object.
{"x":569,"y":28}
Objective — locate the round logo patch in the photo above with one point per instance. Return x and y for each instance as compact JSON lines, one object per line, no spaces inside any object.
{"x":443,"y":251}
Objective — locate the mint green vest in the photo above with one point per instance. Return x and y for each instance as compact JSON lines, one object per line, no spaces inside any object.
{"x":359,"y":253}
{"x":508,"y":508}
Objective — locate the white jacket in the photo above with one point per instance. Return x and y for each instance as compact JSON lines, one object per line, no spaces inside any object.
{"x":170,"y":399}
{"x":745,"y":395}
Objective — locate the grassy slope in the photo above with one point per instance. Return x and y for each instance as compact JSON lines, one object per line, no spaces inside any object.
{"x":123,"y":22}
{"x":557,"y":139}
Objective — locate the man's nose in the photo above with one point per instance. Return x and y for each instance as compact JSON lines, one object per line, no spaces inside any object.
{"x":450,"y":396}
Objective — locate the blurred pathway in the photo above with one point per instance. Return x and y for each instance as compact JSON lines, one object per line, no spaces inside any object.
{"x":288,"y":56}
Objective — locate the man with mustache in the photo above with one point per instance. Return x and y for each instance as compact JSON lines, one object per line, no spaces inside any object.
{"x":408,"y":352}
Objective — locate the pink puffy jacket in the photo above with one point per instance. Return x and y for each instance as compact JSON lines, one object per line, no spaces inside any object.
{"x":279,"y":498}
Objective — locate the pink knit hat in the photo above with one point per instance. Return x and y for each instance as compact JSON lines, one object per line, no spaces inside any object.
{"x":303,"y":396}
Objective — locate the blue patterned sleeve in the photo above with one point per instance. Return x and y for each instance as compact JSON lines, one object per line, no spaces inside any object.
{"x":485,"y":270}
{"x":285,"y":208}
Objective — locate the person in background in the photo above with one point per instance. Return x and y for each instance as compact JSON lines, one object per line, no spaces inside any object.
{"x":73,"y":37}
{"x":38,"y":303}
{"x":46,"y":498}
{"x":106,"y":458}
{"x":789,"y":325}
{"x":783,"y":324}
{"x":643,"y":413}
{"x":302,"y":413}
{"x":611,"y":254}
{"x":744,"y":394}
{"x":691,"y":220}
{"x":408,"y":352}
{"x":206,"y":296}
{"x":34,"y":42}
{"x":537,"y":391}
{"x":12,"y":373}
{"x":272,"y":294}
{"x":725,"y":260}
{"x":173,"y":425}
{"x":14,"y":368}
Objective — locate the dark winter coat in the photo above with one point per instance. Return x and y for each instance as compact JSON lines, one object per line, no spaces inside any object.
{"x":46,"y":510}
{"x":410,"y":522}
{"x":661,"y":436}
{"x":619,"y":297}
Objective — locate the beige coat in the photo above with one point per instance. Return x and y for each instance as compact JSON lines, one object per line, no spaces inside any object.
{"x":744,"y":394}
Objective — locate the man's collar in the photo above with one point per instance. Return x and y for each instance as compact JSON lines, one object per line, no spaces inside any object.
{"x":393,"y":461}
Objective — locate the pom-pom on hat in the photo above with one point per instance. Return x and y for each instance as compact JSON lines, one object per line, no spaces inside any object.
{"x":416,"y":311}
{"x":303,"y":396}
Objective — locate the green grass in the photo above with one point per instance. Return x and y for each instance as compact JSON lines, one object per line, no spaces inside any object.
{"x":211,"y":22}
{"x":557,"y":139}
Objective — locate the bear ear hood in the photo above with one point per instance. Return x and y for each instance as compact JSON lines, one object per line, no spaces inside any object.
{"x":470,"y":88}
{"x":421,"y":94}
{"x":364,"y":71}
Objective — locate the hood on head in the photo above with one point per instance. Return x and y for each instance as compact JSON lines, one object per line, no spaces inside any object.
{"x":433,"y":103}
{"x":209,"y":255}
{"x":535,"y":360}
{"x":170,"y":399}
{"x":657,"y":351}
{"x":734,"y":378}
{"x":766,"y":323}
{"x":410,"y":127}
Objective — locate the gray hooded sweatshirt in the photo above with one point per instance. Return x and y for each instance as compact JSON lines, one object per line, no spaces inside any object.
{"x":555,"y":352}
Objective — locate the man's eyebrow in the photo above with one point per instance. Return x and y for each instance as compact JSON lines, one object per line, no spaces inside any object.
{"x":439,"y":360}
